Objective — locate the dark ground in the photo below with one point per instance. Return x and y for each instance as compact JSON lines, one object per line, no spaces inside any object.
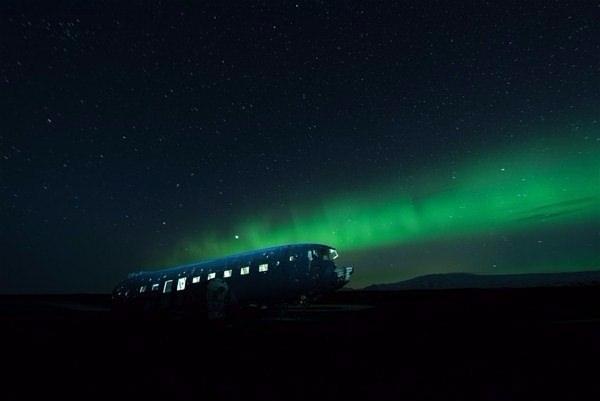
{"x":447,"y":344}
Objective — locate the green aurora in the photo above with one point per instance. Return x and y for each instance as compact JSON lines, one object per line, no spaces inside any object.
{"x":541,"y":185}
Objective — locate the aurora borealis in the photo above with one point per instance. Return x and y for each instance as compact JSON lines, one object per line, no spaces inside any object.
{"x":543,"y":185}
{"x":415,"y":139}
{"x":525,"y":193}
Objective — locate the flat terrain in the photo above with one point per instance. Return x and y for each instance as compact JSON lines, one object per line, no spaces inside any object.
{"x":494,"y":344}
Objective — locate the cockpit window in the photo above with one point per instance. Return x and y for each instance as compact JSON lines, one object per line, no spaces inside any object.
{"x":324,"y":254}
{"x":333,"y":255}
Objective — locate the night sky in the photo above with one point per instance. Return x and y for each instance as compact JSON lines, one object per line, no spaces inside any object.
{"x":416,"y":137}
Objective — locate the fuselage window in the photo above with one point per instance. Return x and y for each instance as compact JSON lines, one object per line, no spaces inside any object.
{"x":196,"y":280}
{"x":227,"y":273}
{"x":142,"y":289}
{"x":168,"y":286}
{"x":245,"y":270}
{"x":155,"y":287}
{"x":181,"y":284}
{"x":263,"y":267}
{"x":211,"y":276}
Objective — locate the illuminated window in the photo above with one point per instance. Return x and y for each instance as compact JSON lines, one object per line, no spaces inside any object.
{"x":196,"y":280}
{"x":333,"y":255}
{"x":168,"y":286}
{"x":227,"y":273}
{"x":263,"y":267}
{"x":211,"y":276}
{"x":245,"y":270}
{"x":142,"y":289}
{"x":181,"y":283}
{"x":155,"y":287}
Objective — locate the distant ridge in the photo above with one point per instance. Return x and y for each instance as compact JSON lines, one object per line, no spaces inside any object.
{"x":469,"y":280}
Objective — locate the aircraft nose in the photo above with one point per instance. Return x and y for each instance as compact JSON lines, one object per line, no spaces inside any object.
{"x":344,"y":273}
{"x":348,"y":272}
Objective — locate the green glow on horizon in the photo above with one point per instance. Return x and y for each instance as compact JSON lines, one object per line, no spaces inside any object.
{"x":533,"y":186}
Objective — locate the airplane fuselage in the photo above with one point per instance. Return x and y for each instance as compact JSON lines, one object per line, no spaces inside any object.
{"x":266,"y":276}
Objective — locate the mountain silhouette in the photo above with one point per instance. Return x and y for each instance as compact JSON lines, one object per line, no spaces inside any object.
{"x":469,"y":280}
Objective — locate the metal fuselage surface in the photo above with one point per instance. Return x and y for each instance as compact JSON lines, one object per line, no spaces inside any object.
{"x":265,"y":276}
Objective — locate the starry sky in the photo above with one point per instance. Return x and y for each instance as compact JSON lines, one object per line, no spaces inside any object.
{"x":417,"y":137}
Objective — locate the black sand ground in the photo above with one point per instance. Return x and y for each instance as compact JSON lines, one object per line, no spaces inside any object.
{"x":497,"y":344}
